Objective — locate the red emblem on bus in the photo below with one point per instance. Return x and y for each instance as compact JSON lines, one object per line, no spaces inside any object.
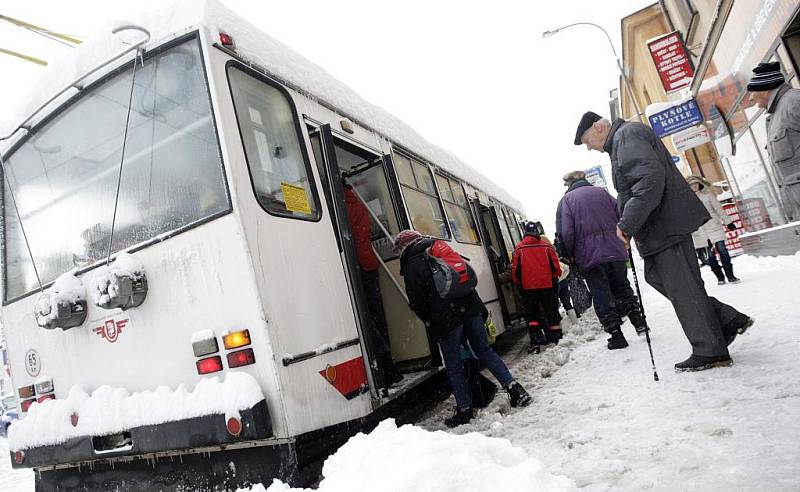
{"x":111,"y":329}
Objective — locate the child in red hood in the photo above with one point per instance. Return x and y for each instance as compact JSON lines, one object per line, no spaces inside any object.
{"x":535,"y":270}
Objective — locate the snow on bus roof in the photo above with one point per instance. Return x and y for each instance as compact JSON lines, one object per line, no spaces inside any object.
{"x":261,"y":49}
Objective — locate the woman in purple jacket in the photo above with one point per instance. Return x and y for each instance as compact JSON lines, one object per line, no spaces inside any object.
{"x":586,"y":222}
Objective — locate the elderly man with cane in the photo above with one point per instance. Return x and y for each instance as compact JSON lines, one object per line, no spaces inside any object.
{"x":659,"y":211}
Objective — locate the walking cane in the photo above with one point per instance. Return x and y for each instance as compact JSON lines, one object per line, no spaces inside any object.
{"x":644,"y":318}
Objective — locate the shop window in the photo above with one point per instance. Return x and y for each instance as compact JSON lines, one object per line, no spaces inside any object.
{"x":270,"y":134}
{"x":459,"y":217}
{"x":424,"y":208}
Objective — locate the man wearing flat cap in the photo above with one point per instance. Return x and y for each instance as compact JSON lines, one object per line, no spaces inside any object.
{"x":659,"y":211}
{"x":769,"y":90}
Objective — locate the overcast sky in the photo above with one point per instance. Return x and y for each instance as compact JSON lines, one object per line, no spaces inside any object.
{"x":478,"y":80}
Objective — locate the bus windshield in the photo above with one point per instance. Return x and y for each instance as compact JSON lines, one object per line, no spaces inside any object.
{"x":64,"y":176}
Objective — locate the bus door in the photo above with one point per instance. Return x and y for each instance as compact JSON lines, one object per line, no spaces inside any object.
{"x":353,"y":174}
{"x":499,"y":259}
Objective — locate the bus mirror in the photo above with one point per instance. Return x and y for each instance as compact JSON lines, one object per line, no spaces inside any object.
{"x":121,"y":290}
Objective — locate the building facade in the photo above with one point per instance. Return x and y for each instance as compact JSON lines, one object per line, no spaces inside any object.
{"x":724,"y":39}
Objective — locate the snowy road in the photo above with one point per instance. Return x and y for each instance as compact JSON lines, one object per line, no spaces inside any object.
{"x":599,"y":419}
{"x":602,"y":420}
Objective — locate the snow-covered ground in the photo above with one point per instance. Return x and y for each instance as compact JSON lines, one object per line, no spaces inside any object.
{"x":598,"y":419}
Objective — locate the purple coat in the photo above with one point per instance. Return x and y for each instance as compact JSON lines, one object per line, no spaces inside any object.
{"x":586,"y":224}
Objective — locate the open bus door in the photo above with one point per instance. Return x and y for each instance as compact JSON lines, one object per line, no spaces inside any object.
{"x":331,"y":175}
{"x":499,"y":259}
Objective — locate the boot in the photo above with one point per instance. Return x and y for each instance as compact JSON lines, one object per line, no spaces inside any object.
{"x":554,"y":334}
{"x":517,"y":395}
{"x":617,"y":340}
{"x":737,"y":326}
{"x":391,"y":374}
{"x":729,"y":273}
{"x":459,"y":417}
{"x":572,"y":315}
{"x":637,"y":320}
{"x":701,"y":363}
{"x":718,"y":272}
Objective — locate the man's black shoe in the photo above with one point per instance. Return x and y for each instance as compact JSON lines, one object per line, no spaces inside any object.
{"x":737,"y":326}
{"x":701,"y":363}
{"x":459,"y":417}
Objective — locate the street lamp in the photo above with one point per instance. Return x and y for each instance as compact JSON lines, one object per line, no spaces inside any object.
{"x":547,"y":34}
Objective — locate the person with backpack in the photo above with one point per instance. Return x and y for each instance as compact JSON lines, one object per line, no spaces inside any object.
{"x":440,"y":286}
{"x":535,"y":270}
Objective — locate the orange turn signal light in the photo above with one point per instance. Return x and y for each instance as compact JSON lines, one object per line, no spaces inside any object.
{"x":236,"y":339}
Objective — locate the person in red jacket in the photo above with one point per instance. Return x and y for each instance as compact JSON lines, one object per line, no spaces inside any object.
{"x":535,"y":270}
{"x":360,"y":227}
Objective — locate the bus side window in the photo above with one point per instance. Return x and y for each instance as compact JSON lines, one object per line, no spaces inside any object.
{"x":424,"y":207}
{"x":279,"y":168}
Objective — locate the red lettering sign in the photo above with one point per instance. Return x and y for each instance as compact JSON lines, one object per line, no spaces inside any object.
{"x":672,"y":62}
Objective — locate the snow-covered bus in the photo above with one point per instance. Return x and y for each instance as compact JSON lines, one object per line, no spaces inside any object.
{"x":181,"y":293}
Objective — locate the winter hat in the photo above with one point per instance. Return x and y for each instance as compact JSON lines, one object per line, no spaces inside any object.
{"x":573,"y":176}
{"x":533,"y":228}
{"x":587,"y":120}
{"x":404,"y":239}
{"x":766,"y":76}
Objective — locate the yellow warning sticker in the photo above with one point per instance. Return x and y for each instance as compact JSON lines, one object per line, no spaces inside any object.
{"x":295,"y":198}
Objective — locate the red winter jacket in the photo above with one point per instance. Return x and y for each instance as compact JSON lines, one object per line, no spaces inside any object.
{"x":535,"y":264}
{"x":358,"y":215}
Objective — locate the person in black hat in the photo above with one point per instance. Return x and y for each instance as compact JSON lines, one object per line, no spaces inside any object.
{"x":659,"y":210}
{"x":769,"y":90}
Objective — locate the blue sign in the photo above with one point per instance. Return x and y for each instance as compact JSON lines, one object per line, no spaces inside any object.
{"x":676,"y":118}
{"x":595,"y":176}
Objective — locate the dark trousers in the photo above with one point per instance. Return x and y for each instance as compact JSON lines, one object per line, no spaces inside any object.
{"x":474,"y":330}
{"x":611,"y":291}
{"x":372,"y":292}
{"x":541,"y":313}
{"x":564,"y":295}
{"x":675,"y":274}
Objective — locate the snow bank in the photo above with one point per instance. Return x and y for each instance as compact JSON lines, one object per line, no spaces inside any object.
{"x":110,"y":410}
{"x":405,"y":458}
{"x":259,"y":48}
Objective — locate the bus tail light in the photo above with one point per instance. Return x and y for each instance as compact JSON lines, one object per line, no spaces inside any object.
{"x":236,"y":339}
{"x":44,"y":386}
{"x":19,"y":457}
{"x":26,"y":404}
{"x":234,"y":426}
{"x":226,"y":40}
{"x":241,"y":358}
{"x":209,"y":365}
{"x":44,"y":398}
{"x":26,"y":391}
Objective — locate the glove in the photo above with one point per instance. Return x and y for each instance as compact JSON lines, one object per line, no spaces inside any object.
{"x":731,"y":226}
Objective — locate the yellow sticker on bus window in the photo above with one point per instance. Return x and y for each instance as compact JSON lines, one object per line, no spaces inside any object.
{"x":295,"y":198}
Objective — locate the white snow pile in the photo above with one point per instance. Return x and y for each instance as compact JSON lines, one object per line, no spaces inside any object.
{"x":125,"y":265}
{"x":406,"y":458}
{"x":110,"y":410}
{"x":257,"y":47}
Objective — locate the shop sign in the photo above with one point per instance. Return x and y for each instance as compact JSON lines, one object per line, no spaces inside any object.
{"x":691,"y":138}
{"x":595,"y":176}
{"x":672,"y":62}
{"x":679,"y":117}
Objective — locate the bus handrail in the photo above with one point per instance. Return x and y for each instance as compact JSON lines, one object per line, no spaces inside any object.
{"x":74,"y":83}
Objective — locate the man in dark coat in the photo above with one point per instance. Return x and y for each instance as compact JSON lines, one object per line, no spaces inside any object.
{"x":449,"y":322}
{"x":660,"y":212}
{"x":586,"y":222}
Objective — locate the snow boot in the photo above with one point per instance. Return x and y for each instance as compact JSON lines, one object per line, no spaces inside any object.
{"x":459,"y":417}
{"x":617,"y":340}
{"x":572,"y":315}
{"x":737,"y":326}
{"x":534,"y":348}
{"x":701,"y":363}
{"x":637,"y":320}
{"x":517,"y":395}
{"x":729,"y":273}
{"x":554,"y":334}
{"x":718,"y":273}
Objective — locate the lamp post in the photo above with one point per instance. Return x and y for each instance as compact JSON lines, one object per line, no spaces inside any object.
{"x":619,"y":65}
